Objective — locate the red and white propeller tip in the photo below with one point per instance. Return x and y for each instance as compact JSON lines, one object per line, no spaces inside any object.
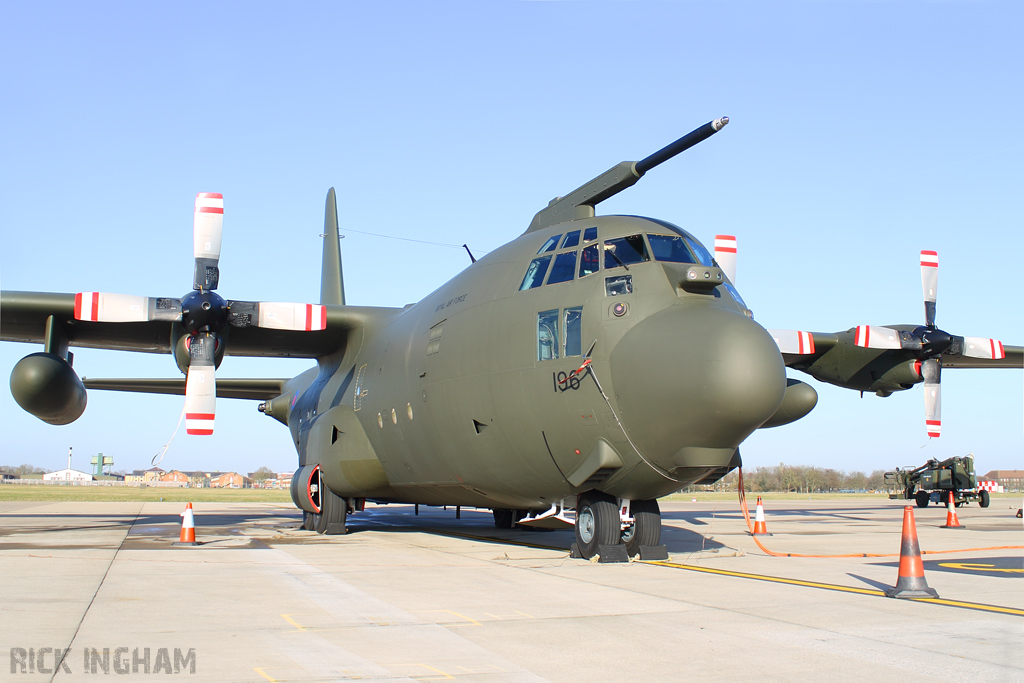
{"x":208,"y":225}
{"x":980,"y":347}
{"x":124,"y":308}
{"x":794,"y":342}
{"x":725,"y":255}
{"x":876,"y":337}
{"x":285,"y":316}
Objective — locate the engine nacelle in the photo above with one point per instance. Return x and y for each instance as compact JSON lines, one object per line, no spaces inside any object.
{"x":46,"y":385}
{"x":902,"y":377}
{"x":306,"y":489}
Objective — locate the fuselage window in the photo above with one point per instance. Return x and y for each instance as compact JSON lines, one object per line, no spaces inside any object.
{"x":700,"y":252}
{"x":564,"y":269}
{"x":618,"y":285}
{"x":673,"y":249}
{"x":573,"y":332}
{"x":572,"y":239}
{"x":589,"y":235}
{"x":625,"y":251}
{"x":535,"y":273}
{"x":590,"y":261}
{"x":550,"y":244}
{"x":434,"y":342}
{"x":547,"y":335}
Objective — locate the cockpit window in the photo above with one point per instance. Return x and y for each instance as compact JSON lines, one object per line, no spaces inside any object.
{"x":572,"y":239}
{"x":547,"y":335}
{"x":535,"y":273}
{"x":702,"y":254}
{"x":589,"y":235}
{"x":671,"y":249}
{"x":550,"y":244}
{"x":735,"y":295}
{"x":625,"y":251}
{"x":590,"y":262}
{"x":564,"y":268}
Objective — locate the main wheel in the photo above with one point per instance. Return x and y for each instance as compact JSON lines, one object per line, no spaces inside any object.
{"x":307,"y":521}
{"x":646,"y":529}
{"x":333,"y":512}
{"x":922,"y":499}
{"x":984,"y":499}
{"x":597,"y":522}
{"x":503,"y":518}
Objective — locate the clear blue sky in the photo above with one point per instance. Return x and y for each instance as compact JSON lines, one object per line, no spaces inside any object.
{"x":861,"y":133}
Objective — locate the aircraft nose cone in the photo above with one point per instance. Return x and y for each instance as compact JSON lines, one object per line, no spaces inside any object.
{"x":693,"y":381}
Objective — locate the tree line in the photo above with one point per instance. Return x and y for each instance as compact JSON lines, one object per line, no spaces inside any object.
{"x":797,"y":479}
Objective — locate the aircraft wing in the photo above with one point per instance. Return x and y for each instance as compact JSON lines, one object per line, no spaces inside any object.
{"x":1014,"y":359}
{"x":24,"y":315}
{"x":260,"y":389}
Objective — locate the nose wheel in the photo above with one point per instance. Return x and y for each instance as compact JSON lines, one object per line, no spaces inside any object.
{"x":597,"y":522}
{"x":646,"y":527}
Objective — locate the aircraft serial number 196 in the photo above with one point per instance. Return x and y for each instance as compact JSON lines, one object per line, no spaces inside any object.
{"x":563,"y":382}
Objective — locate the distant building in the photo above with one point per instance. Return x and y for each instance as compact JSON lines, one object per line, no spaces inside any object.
{"x":230,"y":480}
{"x":67,"y":474}
{"x":1010,"y":480}
{"x":175,"y":477}
{"x":152,"y":474}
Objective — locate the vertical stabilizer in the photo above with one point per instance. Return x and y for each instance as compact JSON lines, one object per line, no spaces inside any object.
{"x":332,"y":283}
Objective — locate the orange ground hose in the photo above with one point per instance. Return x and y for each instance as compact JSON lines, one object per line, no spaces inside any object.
{"x":750,"y":527}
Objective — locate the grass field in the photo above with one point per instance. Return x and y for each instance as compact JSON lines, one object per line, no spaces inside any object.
{"x":41,"y":492}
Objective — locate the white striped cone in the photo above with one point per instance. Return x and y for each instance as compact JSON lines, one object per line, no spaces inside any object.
{"x":760,"y":528}
{"x":188,"y":526}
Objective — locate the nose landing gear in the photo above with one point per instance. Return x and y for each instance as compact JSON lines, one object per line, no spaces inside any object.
{"x":602,"y":520}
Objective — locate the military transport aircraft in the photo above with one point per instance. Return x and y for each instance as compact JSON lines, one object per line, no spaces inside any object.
{"x":591,"y":365}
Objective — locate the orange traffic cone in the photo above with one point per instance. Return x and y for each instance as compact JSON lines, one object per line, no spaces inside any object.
{"x":910,"y":582}
{"x":760,"y":529}
{"x":951,"y":521}
{"x":188,"y":527}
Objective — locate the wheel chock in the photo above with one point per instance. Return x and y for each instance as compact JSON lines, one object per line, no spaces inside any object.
{"x":575,"y":554}
{"x":612,"y":553}
{"x":653,"y":552}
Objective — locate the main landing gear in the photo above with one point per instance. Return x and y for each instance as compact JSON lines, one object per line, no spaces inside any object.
{"x":331,"y":520}
{"x":604,"y":523}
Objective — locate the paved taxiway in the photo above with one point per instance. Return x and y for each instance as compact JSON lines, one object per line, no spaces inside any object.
{"x":419,"y":598}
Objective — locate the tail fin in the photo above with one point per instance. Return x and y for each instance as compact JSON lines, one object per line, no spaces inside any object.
{"x":332,"y":282}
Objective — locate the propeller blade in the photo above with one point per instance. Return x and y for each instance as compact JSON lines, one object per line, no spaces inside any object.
{"x":793,"y":341}
{"x":929,"y":284}
{"x":931,"y":371}
{"x":876,"y":337}
{"x":207,"y":226}
{"x":725,"y":254}
{"x":200,"y":385}
{"x":980,"y":347}
{"x":124,"y":308}
{"x":277,"y":316}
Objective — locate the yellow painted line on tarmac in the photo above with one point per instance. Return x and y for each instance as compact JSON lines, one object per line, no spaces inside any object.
{"x":433,"y":678}
{"x":841,"y":589}
{"x":974,"y":566}
{"x":448,"y":611}
{"x":288,"y":618}
{"x":263,"y":673}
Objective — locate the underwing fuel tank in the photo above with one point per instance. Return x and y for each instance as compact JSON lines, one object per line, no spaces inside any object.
{"x":46,"y":385}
